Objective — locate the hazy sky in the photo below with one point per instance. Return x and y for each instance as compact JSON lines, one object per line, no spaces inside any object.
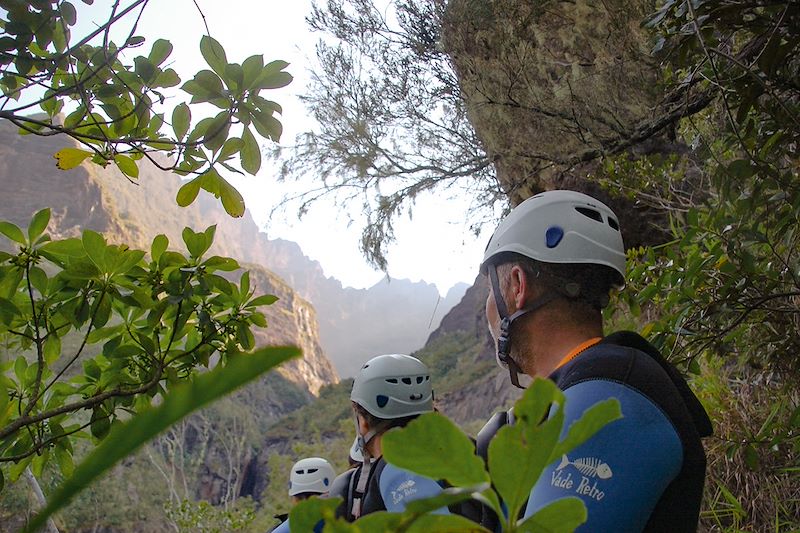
{"x":436,"y":245}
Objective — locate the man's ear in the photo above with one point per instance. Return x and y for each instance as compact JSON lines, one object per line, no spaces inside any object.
{"x":363,"y":425}
{"x":519,"y":286}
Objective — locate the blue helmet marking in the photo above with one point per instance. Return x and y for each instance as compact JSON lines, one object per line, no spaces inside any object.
{"x":553,"y":236}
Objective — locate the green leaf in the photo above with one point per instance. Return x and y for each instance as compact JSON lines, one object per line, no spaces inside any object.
{"x":267,"y":125}
{"x":188,"y":192}
{"x":591,"y":421}
{"x":68,"y":158}
{"x":251,"y":68}
{"x":444,"y":524}
{"x":38,"y":224}
{"x":244,"y":283}
{"x":232,"y":200}
{"x":251,"y":153}
{"x":214,"y":54}
{"x":181,"y":118}
{"x":561,"y":516}
{"x":183,"y":399}
{"x":305,"y":515}
{"x":196,"y":243}
{"x":100,"y":423}
{"x":225,"y":264}
{"x":272,"y":76}
{"x":160,"y":243}
{"x":160,"y":51}
{"x":433,"y":446}
{"x":4,"y":404}
{"x":231,"y":146}
{"x":127,"y":165}
{"x":12,"y":232}
{"x":449,"y":496}
{"x":63,"y":249}
{"x":52,"y":349}
{"x":38,"y":279}
{"x":68,"y":13}
{"x":266,"y":299}
{"x":234,"y":76}
{"x":168,"y":78}
{"x":95,"y":246}
{"x":64,"y":460}
{"x":217,"y":131}
{"x":529,"y":442}
{"x":210,"y":82}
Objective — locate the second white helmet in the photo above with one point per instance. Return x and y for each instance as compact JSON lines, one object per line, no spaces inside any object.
{"x":313,"y":474}
{"x":393,"y":386}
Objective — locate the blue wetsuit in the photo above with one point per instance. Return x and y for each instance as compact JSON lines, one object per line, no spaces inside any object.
{"x":642,"y":472}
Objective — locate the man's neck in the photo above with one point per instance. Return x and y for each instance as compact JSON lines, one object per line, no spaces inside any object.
{"x":374,"y":447}
{"x":544,"y":346}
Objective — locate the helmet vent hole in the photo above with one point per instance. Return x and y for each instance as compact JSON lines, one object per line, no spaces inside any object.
{"x":613,"y":223}
{"x":301,"y":472}
{"x":427,"y":378}
{"x":420,"y":379}
{"x":391,"y":380}
{"x":311,"y":470}
{"x":381,"y":400}
{"x":590,"y":213}
{"x":407,"y":381}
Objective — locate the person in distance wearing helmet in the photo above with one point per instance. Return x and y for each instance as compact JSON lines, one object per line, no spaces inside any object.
{"x":389,"y":391}
{"x":551,"y":264}
{"x":309,"y":477}
{"x":312,"y":476}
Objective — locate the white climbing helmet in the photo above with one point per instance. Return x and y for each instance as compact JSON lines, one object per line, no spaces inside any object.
{"x":313,"y":474}
{"x":393,"y":386}
{"x":560,"y":227}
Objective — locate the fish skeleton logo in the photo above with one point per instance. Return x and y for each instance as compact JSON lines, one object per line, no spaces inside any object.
{"x":588,"y":466}
{"x":404,"y":490}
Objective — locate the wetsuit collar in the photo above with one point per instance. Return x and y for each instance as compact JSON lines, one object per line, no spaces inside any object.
{"x":575,"y":352}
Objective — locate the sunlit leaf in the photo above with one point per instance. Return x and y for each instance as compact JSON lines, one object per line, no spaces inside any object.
{"x":68,"y":158}
{"x":127,"y":165}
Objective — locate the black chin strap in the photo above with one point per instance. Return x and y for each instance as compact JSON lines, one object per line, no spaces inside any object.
{"x":504,"y":339}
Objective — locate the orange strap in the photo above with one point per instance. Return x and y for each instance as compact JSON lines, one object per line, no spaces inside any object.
{"x":578,"y":349}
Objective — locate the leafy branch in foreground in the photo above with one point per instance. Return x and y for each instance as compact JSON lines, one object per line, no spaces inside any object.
{"x":100,"y":333}
{"x":115,"y":106}
{"x":434,"y":447}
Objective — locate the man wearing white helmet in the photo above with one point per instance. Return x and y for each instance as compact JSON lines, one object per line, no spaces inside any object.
{"x":389,"y":391}
{"x":551,"y":264}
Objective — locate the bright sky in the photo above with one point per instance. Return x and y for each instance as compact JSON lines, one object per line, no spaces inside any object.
{"x":436,"y":245}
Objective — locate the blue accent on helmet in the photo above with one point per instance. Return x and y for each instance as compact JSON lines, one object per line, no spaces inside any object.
{"x":553,"y":236}
{"x":381,"y":400}
{"x":326,"y":482}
